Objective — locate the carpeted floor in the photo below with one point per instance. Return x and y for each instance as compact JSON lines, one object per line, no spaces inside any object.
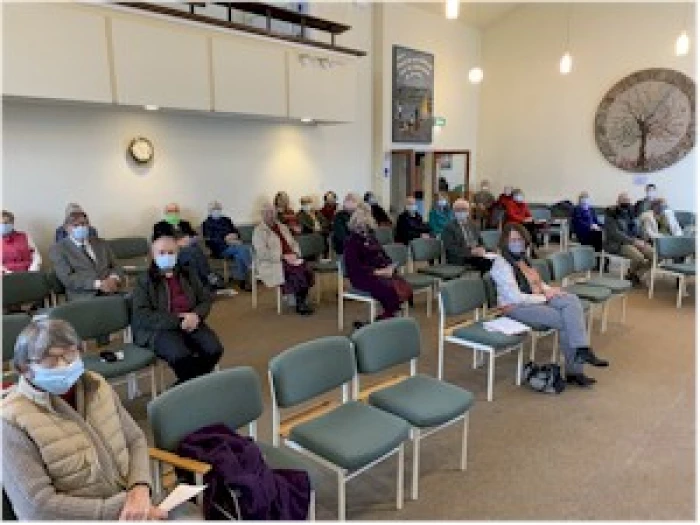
{"x":622,"y":450}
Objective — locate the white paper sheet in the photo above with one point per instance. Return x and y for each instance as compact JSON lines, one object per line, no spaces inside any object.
{"x":506,"y":325}
{"x":179,"y":495}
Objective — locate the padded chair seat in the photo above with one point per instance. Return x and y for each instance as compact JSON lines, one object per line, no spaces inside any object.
{"x":596,"y":294}
{"x":684,"y":268}
{"x":135,"y":359}
{"x":478,"y":334}
{"x":324,"y":266}
{"x":280,"y":458}
{"x":615,"y":285}
{"x":423,"y":401}
{"x":353,"y":435}
{"x":536,"y":327}
{"x":418,"y":281}
{"x":444,"y":271}
{"x":356,"y":291}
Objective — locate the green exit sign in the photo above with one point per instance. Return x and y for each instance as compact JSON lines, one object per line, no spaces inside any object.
{"x":440,"y":122}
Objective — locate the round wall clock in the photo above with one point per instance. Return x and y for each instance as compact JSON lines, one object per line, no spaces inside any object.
{"x":141,"y":150}
{"x":646,"y":122}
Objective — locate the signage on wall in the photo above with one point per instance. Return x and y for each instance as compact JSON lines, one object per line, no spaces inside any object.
{"x":440,"y":122}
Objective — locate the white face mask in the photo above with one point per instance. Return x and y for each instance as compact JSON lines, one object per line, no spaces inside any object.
{"x":306,"y":207}
{"x":518,"y":198}
{"x":411,"y":208}
{"x":442,"y":203}
{"x":462,"y":216}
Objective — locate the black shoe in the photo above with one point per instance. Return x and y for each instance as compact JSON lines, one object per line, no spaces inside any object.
{"x":580,"y":380}
{"x":585,"y":355}
{"x":633,"y":278}
{"x":410,"y":300}
{"x":244,"y":286}
{"x":358,"y":324}
{"x":303,"y":308}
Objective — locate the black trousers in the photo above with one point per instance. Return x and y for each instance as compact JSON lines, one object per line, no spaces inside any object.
{"x":593,"y":238}
{"x":480,"y":263}
{"x":189,"y":354}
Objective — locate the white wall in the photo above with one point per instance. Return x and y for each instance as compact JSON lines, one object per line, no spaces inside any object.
{"x":58,"y":153}
{"x":536,"y":126}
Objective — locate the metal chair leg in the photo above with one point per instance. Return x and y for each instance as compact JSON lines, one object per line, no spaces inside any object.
{"x":465,"y":435}
{"x":399,"y":478}
{"x":415,"y":437}
{"x":491,"y":375}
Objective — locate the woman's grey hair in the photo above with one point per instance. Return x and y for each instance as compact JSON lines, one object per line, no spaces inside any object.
{"x":361,"y":219}
{"x":34,"y":342}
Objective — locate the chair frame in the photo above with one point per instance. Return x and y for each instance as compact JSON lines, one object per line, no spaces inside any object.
{"x":656,"y":268}
{"x":428,"y":290}
{"x":254,"y":278}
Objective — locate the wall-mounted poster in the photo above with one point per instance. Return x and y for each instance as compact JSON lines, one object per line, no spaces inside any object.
{"x":412,"y":96}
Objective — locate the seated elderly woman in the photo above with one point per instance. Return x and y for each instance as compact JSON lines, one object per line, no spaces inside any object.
{"x":19,"y":253}
{"x":369,"y":268}
{"x":523,"y":296}
{"x":285,"y":213}
{"x":279,"y":261}
{"x":170,"y":305}
{"x":70,"y":450}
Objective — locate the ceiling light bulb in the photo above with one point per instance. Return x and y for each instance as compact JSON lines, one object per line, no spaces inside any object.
{"x":476,"y":75}
{"x":452,"y":9}
{"x":307,"y":120}
{"x":565,"y":64}
{"x":682,"y":44}
{"x":151,"y":107}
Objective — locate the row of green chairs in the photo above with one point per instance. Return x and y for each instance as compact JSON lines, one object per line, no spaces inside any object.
{"x":667,"y":250}
{"x":22,"y":288}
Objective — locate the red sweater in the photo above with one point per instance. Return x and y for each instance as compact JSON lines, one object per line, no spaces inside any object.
{"x":516,"y":211}
{"x":16,"y":253}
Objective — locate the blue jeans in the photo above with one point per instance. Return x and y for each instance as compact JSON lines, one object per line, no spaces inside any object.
{"x":243,"y":257}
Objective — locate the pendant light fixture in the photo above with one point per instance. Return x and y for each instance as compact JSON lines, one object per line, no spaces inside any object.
{"x":452,"y":9}
{"x":683,"y":40}
{"x":567,"y":62}
{"x":476,"y":74}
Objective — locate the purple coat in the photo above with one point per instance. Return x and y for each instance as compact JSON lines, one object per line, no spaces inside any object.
{"x":265,"y":494}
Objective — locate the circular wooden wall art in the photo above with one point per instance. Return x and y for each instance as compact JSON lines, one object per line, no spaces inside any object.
{"x":646,"y":122}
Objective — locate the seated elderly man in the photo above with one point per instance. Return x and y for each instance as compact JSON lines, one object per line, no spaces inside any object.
{"x":19,"y":253}
{"x":341,"y":220}
{"x":62,"y":233}
{"x":410,"y":224}
{"x":462,"y":240}
{"x":70,"y":450}
{"x":223,"y":239}
{"x":659,"y":220}
{"x":85,"y":265}
{"x":279,"y":261}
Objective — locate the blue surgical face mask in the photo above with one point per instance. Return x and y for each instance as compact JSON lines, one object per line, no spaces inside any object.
{"x":166,"y":261}
{"x":7,"y":228}
{"x":411,"y":208}
{"x":518,"y":198}
{"x":585,"y":203}
{"x":57,"y":381}
{"x":80,"y":233}
{"x":516,"y":247}
{"x":215,"y":214}
{"x":462,"y":216}
{"x":442,"y":203}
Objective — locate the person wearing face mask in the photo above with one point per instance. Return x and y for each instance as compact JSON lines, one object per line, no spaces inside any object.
{"x":173,"y":223}
{"x":462,"y":240}
{"x":483,"y":200}
{"x":642,"y":205}
{"x":623,"y":237}
{"x":330,"y":207}
{"x":657,"y":221}
{"x":379,"y":214}
{"x":170,"y":306}
{"x":307,"y":217}
{"x":223,"y":239}
{"x":61,"y":232}
{"x":585,"y":224}
{"x":19,"y":253}
{"x":523,"y":296}
{"x":340,"y":222}
{"x":518,"y":212}
{"x":440,"y":215}
{"x":410,"y":225}
{"x":84,"y":265}
{"x":71,"y":452}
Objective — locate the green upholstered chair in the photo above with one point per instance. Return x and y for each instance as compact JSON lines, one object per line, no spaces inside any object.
{"x":426,"y":250}
{"x":419,"y":282}
{"x":312,"y":247}
{"x":353,"y":294}
{"x":685,"y":218}
{"x":666,"y":249}
{"x":102,"y":316}
{"x":22,"y":288}
{"x":426,"y":403}
{"x":490,"y":239}
{"x":384,"y":234}
{"x":245,"y":232}
{"x":131,"y":253}
{"x":232,"y":397}
{"x":56,"y":288}
{"x":347,"y":437}
{"x":463,"y":296}
{"x":12,"y":326}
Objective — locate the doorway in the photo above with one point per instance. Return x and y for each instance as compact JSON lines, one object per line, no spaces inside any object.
{"x":451,"y":172}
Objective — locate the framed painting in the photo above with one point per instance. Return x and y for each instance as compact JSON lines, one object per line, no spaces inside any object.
{"x":413,"y":75}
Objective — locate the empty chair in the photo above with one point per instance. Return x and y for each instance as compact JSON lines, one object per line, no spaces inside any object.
{"x":312,"y":247}
{"x":428,"y":404}
{"x":245,"y":233}
{"x":668,"y":247}
{"x":102,"y":316}
{"x":12,"y":326}
{"x":419,"y":282}
{"x":22,"y":288}
{"x":131,"y":253}
{"x":430,"y":250}
{"x":685,"y":219}
{"x":347,"y":437}
{"x":460,"y":297}
{"x":384,"y":234}
{"x":231,"y":397}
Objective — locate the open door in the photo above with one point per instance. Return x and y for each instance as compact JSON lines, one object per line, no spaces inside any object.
{"x":451,"y":173}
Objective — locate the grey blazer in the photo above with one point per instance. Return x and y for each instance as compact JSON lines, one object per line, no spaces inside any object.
{"x":456,"y":246}
{"x":77,"y":271}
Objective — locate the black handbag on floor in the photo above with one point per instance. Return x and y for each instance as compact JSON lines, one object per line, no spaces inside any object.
{"x":544,"y":378}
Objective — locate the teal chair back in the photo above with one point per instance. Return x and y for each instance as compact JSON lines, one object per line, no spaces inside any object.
{"x":12,"y":326}
{"x":583,"y":258}
{"x":384,"y":234}
{"x":542,"y":268}
{"x":668,"y":247}
{"x":397,"y":252}
{"x":541,"y":214}
{"x":561,"y":265}
{"x":24,"y":287}
{"x":311,"y":245}
{"x":463,"y":295}
{"x":94,"y":317}
{"x":55,"y":284}
{"x":379,"y":346}
{"x":425,"y":249}
{"x":491,"y":291}
{"x":490,"y":239}
{"x":129,"y":247}
{"x":232,"y":397}
{"x":309,"y":369}
{"x":685,"y":218}
{"x":245,"y":232}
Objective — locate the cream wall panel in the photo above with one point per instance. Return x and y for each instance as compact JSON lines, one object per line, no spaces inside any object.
{"x":55,"y":51}
{"x":161,"y":64}
{"x":249,"y":78}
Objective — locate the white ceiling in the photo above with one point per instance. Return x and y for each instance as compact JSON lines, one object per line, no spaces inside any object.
{"x":475,"y":14}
